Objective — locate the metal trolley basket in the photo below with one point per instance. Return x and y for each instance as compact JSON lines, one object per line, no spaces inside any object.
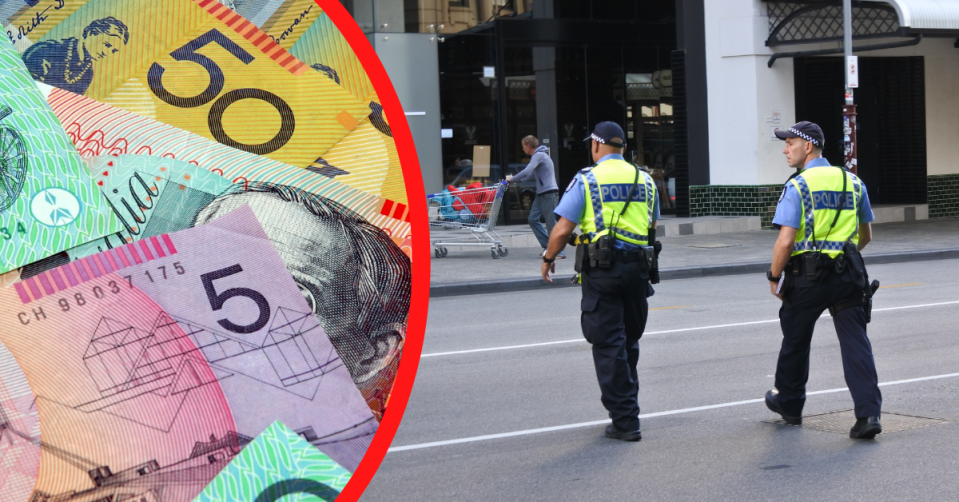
{"x":473,"y":209}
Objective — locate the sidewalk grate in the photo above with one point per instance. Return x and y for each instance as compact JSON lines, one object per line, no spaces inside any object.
{"x":842,"y":421}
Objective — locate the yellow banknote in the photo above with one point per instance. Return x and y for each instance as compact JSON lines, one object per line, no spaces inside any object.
{"x":287,"y":23}
{"x":299,"y":26}
{"x":322,"y":46}
{"x":199,"y":66}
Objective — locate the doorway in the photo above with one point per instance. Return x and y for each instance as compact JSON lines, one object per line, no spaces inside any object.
{"x":891,"y":118}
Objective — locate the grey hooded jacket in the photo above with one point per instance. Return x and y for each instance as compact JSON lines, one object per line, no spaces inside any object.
{"x":541,"y":167}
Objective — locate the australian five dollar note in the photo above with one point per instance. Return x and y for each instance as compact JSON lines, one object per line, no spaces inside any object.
{"x":152,"y":365}
{"x":362,"y":300}
{"x":48,"y":201}
{"x":345,"y":248}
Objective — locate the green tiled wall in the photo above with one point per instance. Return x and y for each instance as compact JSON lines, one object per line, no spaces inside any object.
{"x":735,"y":200}
{"x":761,"y":200}
{"x":943,"y":196}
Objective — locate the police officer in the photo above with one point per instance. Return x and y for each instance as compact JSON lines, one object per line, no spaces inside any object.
{"x":620,"y":217}
{"x":824,"y":219}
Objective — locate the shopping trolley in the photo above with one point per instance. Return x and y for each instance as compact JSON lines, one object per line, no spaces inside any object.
{"x":472,"y":208}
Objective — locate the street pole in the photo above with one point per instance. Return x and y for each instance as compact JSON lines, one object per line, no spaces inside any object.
{"x":852,"y":81}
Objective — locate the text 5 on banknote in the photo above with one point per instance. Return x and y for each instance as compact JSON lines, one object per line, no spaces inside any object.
{"x":154,"y":363}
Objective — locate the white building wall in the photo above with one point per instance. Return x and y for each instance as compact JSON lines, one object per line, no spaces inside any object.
{"x":744,"y":94}
{"x":942,"y":106}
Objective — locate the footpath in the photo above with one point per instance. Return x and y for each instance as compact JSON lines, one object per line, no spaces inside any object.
{"x":466,"y":270}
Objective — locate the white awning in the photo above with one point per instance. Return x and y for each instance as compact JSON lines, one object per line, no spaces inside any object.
{"x":927,"y":14}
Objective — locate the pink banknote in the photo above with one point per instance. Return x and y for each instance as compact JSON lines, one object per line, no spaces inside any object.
{"x":154,"y":363}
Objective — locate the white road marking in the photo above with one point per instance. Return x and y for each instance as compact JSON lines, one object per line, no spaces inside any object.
{"x":436,"y":354}
{"x":647,"y":415}
{"x":717,"y":326}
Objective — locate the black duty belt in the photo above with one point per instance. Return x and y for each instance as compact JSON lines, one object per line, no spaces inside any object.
{"x":548,"y":192}
{"x":627,"y":256}
{"x":798,"y":267}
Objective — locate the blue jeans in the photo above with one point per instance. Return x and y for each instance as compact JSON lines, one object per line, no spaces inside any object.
{"x":544,"y":205}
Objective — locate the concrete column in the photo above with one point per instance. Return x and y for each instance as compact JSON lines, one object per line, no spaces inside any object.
{"x":485,"y":9}
{"x":743,"y":96}
{"x":544,"y":66}
{"x":412,"y":63}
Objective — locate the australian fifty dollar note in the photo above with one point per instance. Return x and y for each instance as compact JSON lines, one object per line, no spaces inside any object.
{"x":366,"y":158}
{"x":193,"y":64}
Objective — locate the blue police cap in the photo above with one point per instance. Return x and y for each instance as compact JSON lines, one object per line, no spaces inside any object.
{"x":806,"y":130}
{"x":608,"y":133}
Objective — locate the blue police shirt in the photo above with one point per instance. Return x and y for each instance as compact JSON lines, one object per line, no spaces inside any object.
{"x":789,"y":210}
{"x":573,"y":204}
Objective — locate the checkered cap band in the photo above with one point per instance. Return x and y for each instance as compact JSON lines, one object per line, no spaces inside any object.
{"x":597,"y":139}
{"x":804,"y":136}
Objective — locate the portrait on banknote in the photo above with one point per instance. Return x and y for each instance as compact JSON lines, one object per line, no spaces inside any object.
{"x":68,"y":63}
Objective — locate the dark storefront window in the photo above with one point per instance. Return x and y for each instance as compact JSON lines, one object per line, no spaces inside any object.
{"x":891,"y":119}
{"x":629,"y":86}
{"x":470,"y":105}
{"x":467,"y":101}
{"x":616,"y":10}
{"x":582,"y":80}
{"x":649,"y":131}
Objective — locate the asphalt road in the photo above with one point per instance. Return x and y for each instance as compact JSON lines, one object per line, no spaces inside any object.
{"x":475,"y":264}
{"x":707,"y":358}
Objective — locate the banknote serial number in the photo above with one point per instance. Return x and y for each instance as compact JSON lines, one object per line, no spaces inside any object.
{"x":159,"y":274}
{"x":81,"y":299}
{"x":19,"y":229}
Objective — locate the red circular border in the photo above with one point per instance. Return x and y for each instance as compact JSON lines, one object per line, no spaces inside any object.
{"x":419,"y":302}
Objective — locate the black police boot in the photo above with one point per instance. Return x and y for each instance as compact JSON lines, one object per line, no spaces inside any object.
{"x":772,"y":402}
{"x":865,"y":428}
{"x":613,"y":433}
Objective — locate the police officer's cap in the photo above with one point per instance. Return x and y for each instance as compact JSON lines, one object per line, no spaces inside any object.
{"x":806,"y":130}
{"x":608,"y":133}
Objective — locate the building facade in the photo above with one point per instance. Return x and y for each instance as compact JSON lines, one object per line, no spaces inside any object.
{"x":772,"y":63}
{"x":698,"y":86}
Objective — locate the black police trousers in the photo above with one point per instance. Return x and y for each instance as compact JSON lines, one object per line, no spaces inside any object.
{"x":802,"y":306}
{"x":614,"y":311}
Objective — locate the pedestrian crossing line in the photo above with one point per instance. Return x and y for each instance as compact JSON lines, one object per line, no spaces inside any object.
{"x":900,"y":285}
{"x":670,"y":308}
{"x":541,"y":430}
{"x":680,"y":330}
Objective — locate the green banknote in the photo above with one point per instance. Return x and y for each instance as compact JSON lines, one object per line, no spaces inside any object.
{"x":48,"y":202}
{"x":278,"y":465}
